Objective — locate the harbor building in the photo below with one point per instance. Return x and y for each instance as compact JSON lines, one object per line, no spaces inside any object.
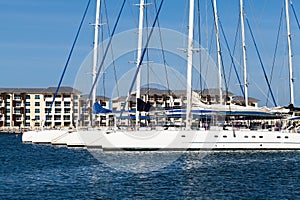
{"x":28,"y":108}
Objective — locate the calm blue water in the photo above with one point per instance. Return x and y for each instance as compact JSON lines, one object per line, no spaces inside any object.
{"x":45,"y":172}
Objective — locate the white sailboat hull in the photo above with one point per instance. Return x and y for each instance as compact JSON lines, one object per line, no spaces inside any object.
{"x":43,"y":137}
{"x":191,"y":140}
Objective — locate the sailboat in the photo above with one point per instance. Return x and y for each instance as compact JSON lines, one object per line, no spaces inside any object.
{"x":172,"y":138}
{"x":165,"y":139}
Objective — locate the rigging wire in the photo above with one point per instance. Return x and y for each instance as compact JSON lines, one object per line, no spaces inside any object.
{"x":233,"y":53}
{"x":275,"y":52}
{"x":112,"y":52}
{"x":199,"y":41}
{"x":295,"y":14}
{"x":232,"y":61}
{"x":102,"y":39}
{"x":142,"y":57}
{"x":148,"y":66}
{"x":163,"y":51}
{"x":261,"y":63}
{"x":105,"y":54}
{"x":69,"y":57}
{"x":223,"y":75}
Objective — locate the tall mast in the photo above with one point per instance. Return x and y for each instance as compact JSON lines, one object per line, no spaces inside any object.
{"x":95,"y":56}
{"x":218,"y":49}
{"x":244,"y":53}
{"x":289,"y":38}
{"x":190,"y":65}
{"x":138,"y":59}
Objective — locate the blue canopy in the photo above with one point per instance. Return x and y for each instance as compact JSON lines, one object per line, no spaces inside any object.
{"x":97,"y":109}
{"x":133,"y":117}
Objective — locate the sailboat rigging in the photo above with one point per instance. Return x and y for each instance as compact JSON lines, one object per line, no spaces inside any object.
{"x":188,"y":137}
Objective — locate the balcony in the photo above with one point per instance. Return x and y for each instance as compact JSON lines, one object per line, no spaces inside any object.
{"x":67,"y":99}
{"x":57,"y":104}
{"x":67,"y":110}
{"x":67,"y":104}
{"x":19,"y":119}
{"x":49,"y":99}
{"x":67,"y":118}
{"x":57,"y":111}
{"x":19,"y":105}
{"x":57,"y":118}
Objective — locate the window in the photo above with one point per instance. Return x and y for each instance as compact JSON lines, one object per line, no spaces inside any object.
{"x":17,"y":97}
{"x":224,"y":136}
{"x":57,"y":118}
{"x":27,"y":110}
{"x":7,"y":103}
{"x":37,"y":111}
{"x":286,"y":137}
{"x":37,"y":103}
{"x":47,"y":110}
{"x":67,"y":117}
{"x":7,"y":110}
{"x":67,"y":96}
{"x":7,"y":97}
{"x":216,"y":136}
{"x":246,"y":136}
{"x":57,"y":110}
{"x":7,"y":124}
{"x":17,"y":111}
{"x":67,"y":110}
{"x":75,"y":110}
{"x":253,"y":136}
{"x":75,"y":97}
{"x":27,"y":97}
{"x":67,"y":104}
{"x":103,"y":104}
{"x":278,"y":137}
{"x":8,"y":118}
{"x":76,"y":104}
{"x":27,"y":124}
{"x":57,"y":124}
{"x":37,"y":117}
{"x":37,"y":96}
{"x":27,"y":118}
{"x":48,"y":103}
{"x":58,"y":104}
{"x":18,"y":104}
{"x":27,"y":104}
{"x":261,"y":136}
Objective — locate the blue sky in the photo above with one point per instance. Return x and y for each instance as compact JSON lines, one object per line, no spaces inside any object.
{"x":36,"y":36}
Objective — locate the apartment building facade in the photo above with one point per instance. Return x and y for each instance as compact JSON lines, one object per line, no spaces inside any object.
{"x":30,"y":108}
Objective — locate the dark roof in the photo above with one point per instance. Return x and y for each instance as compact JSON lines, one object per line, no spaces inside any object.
{"x":99,"y":97}
{"x":241,"y":99}
{"x":63,"y":89}
{"x":123,"y":98}
{"x":214,"y":91}
{"x":153,"y":91}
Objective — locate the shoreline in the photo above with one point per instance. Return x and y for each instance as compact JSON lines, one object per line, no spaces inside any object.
{"x":11,"y":131}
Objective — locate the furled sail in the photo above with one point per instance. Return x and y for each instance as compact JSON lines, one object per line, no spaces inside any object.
{"x":143,"y":106}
